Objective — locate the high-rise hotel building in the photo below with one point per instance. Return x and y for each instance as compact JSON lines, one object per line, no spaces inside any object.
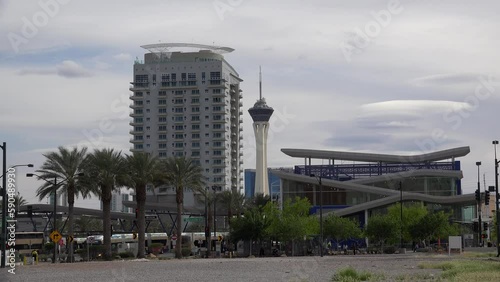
{"x":186,"y":101}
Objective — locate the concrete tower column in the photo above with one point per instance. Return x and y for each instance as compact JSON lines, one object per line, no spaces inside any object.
{"x":261,"y":113}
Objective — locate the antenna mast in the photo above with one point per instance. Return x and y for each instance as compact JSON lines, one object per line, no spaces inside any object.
{"x":260,"y":82}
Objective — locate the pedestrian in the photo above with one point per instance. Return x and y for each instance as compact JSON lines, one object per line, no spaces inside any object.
{"x":34,"y":254}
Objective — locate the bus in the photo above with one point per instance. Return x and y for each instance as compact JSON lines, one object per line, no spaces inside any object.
{"x":28,"y":241}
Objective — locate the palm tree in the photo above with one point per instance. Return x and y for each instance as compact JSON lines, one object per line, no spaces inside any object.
{"x":141,"y":169}
{"x":19,"y":201}
{"x":181,"y":173}
{"x":64,"y":167}
{"x":233,"y":201}
{"x":207,"y":198}
{"x":85,"y":224}
{"x":106,"y":171}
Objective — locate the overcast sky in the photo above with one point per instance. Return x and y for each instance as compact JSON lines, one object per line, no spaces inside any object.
{"x":402,"y":77}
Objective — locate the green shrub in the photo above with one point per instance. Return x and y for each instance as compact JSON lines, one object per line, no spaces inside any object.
{"x":186,"y":252}
{"x":126,"y":255}
{"x":389,"y":250}
{"x":349,"y":274}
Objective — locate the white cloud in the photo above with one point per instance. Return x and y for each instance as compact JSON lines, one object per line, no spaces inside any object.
{"x":122,"y":57}
{"x":68,"y":69}
{"x":412,"y":108}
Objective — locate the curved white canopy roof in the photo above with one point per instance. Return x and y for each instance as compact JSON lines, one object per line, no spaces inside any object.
{"x":369,"y":157}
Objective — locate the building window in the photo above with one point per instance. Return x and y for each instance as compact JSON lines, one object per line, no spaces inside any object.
{"x":162,"y":145}
{"x":179,"y":127}
{"x":195,"y":109}
{"x":195,"y":136}
{"x":162,"y":136}
{"x":162,"y":110}
{"x":195,"y":153}
{"x":195,"y":100}
{"x":179,"y":145}
{"x":162,"y":119}
{"x":195,"y":127}
{"x":138,"y":146}
{"x":217,"y":108}
{"x":162,"y":128}
{"x":217,"y":153}
{"x":162,"y":93}
{"x":178,"y":118}
{"x":217,"y":126}
{"x":195,"y":144}
{"x":217,"y":135}
{"x":162,"y":154}
{"x":178,"y":110}
{"x":179,"y":136}
{"x":216,"y":91}
{"x":195,"y":118}
{"x":195,"y":91}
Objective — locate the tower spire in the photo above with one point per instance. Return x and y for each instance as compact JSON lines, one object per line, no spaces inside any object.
{"x":260,"y":83}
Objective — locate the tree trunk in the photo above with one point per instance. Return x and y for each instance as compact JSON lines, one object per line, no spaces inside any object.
{"x":106,"y":223}
{"x":71,"y":203}
{"x":293,"y":247}
{"x":179,"y":199}
{"x":141,"y":220}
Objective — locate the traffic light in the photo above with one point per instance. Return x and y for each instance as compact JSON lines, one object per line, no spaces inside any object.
{"x":476,"y":227}
{"x":136,"y":213}
{"x":484,"y":236}
{"x":487,"y":198}
{"x":478,"y":195}
{"x":485,"y":226}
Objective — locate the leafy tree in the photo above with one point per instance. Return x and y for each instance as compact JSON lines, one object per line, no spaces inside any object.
{"x":141,"y":169}
{"x":251,"y":226}
{"x":65,"y":166}
{"x":106,"y":172}
{"x":434,"y":226}
{"x":181,"y":173}
{"x":293,"y":222}
{"x":382,"y":229}
{"x":411,"y":215}
{"x":341,"y":228}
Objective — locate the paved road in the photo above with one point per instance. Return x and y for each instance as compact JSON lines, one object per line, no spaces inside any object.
{"x":236,"y":269}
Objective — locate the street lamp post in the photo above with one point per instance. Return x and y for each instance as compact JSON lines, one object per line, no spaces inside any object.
{"x":4,"y":203}
{"x":401,"y":211}
{"x":479,"y":206}
{"x":497,"y":212}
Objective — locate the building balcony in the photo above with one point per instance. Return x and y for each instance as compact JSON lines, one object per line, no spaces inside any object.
{"x":136,"y":106}
{"x":132,"y":114}
{"x":136,"y":150}
{"x":133,"y":140}
{"x":136,"y":97}
{"x":133,"y":132}
{"x":139,"y":86}
{"x":133,"y":123}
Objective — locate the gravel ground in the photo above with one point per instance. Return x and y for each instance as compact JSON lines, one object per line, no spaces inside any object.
{"x":236,"y":269}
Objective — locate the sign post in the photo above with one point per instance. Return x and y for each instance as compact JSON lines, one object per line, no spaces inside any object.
{"x":90,"y":240}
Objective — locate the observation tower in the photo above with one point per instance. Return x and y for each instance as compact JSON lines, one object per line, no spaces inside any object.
{"x":261,"y":113}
